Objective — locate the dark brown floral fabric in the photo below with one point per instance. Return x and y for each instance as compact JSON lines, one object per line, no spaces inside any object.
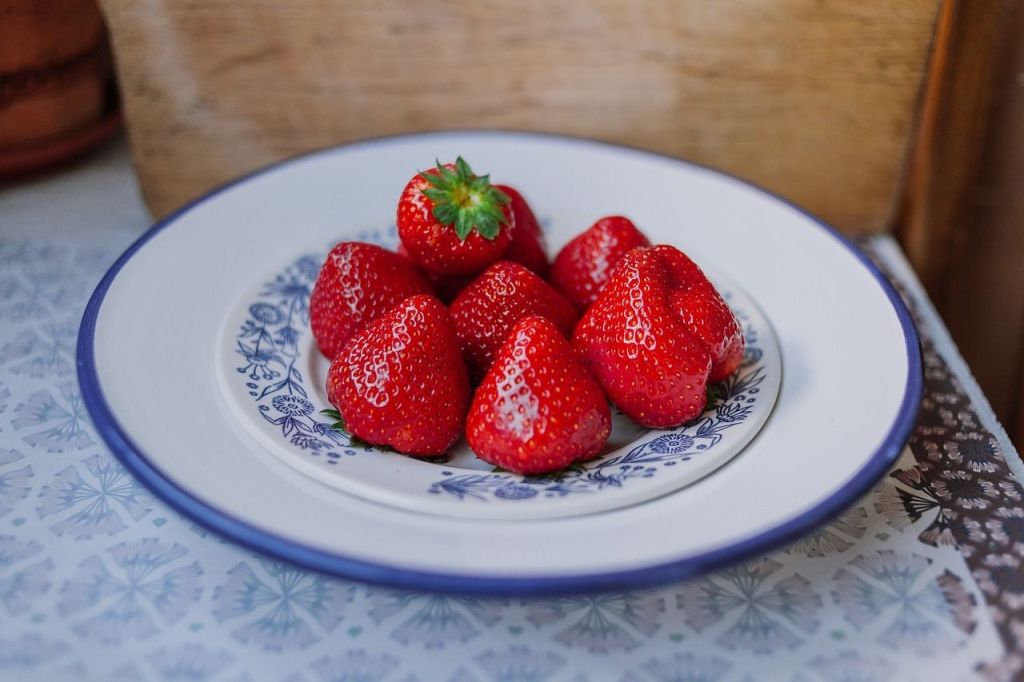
{"x":961,"y":482}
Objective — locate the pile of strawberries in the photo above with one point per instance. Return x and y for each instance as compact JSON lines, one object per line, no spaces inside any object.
{"x":542,"y":345}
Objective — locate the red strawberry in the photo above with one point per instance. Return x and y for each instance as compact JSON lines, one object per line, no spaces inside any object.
{"x":357,"y":283}
{"x":583,"y":267}
{"x":704,"y":313}
{"x":537,"y":409}
{"x":445,"y":286}
{"x":527,"y":247}
{"x":638,"y":348}
{"x":401,"y":381}
{"x":453,"y":221}
{"x":485,"y":311}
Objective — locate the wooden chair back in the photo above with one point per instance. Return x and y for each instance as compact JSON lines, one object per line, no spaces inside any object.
{"x":813,"y":100}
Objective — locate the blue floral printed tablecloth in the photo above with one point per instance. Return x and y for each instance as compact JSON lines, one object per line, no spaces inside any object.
{"x":920,"y":580}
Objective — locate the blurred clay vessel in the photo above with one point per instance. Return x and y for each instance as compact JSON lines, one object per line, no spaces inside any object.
{"x":57,"y":98}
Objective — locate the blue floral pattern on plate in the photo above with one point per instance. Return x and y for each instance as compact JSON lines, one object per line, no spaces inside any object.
{"x":272,"y":357}
{"x":268,"y":343}
{"x":642,"y":461}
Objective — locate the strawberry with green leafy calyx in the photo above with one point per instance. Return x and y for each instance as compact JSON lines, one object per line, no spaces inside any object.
{"x":452,"y":221}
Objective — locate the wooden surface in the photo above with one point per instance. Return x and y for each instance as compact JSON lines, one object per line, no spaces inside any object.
{"x":967,"y":237}
{"x":950,"y":139}
{"x":815,"y":100}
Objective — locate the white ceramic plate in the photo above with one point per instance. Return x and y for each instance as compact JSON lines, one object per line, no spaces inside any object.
{"x":165,"y":362}
{"x":274,"y":379}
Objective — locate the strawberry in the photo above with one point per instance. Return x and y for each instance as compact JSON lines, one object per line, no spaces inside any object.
{"x":357,"y":283}
{"x":638,"y":348}
{"x":537,"y":410}
{"x":485,"y":311}
{"x":704,"y":312}
{"x":446,"y":287}
{"x":453,"y":221}
{"x":527,"y":247}
{"x":401,"y":381}
{"x":583,"y":267}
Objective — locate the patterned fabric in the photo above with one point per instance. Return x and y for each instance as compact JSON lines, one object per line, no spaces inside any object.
{"x":921,"y":579}
{"x":963,"y":494}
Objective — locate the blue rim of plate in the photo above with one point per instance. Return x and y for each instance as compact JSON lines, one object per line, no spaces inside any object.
{"x":207,"y":515}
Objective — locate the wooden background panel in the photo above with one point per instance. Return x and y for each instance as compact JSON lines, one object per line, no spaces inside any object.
{"x":813,"y":99}
{"x":965,"y":235}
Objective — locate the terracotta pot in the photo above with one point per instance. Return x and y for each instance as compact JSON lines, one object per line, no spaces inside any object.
{"x":55,"y":82}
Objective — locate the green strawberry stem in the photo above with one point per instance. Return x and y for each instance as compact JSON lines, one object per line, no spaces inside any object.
{"x":339,"y":425}
{"x":466,"y":201}
{"x":716,"y":393}
{"x":339,"y":422}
